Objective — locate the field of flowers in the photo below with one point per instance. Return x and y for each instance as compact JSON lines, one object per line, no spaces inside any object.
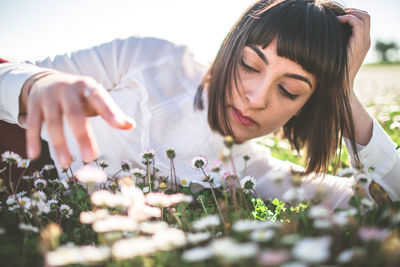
{"x":140,"y":218}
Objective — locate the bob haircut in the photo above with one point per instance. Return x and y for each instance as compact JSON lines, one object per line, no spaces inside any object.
{"x":308,"y":33}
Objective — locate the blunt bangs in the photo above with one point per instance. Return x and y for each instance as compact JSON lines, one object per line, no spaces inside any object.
{"x":307,"y":32}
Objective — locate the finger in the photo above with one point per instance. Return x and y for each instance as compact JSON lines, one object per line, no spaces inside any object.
{"x":360,"y":30}
{"x":54,"y":124}
{"x":105,"y":106}
{"x":74,"y":111}
{"x":362,"y":15}
{"x":32,"y":134}
{"x":365,"y":17}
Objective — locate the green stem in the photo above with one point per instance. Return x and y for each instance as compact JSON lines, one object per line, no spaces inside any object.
{"x":204,"y":207}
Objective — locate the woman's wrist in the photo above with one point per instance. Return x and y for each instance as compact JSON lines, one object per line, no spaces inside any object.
{"x":27,"y":87}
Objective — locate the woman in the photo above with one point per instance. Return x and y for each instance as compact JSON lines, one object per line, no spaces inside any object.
{"x":287,"y":64}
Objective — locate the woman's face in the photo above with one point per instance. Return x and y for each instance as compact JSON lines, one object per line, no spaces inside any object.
{"x":273,"y":89}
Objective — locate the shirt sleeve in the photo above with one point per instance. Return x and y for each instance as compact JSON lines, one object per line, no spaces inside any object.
{"x":12,"y":77}
{"x":107,"y":63}
{"x":274,"y":180}
{"x":380,"y":160}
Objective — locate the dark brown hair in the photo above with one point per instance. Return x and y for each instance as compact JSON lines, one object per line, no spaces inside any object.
{"x":308,"y":33}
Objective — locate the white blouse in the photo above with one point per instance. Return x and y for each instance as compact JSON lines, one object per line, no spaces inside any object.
{"x":154,"y":81}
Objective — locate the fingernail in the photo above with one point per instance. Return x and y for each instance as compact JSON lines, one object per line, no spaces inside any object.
{"x":30,"y":152}
{"x":130,"y":121}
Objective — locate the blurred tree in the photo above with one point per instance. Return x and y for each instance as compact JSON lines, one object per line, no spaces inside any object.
{"x":383,"y":48}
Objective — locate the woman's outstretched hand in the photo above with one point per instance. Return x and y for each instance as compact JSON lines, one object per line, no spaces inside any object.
{"x":359,"y":42}
{"x":74,"y":97}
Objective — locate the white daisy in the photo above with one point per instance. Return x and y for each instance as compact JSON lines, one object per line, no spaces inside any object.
{"x":39,"y":195}
{"x":248,"y":184}
{"x":148,"y":154}
{"x":64,"y":184}
{"x":24,"y":163}
{"x":52,"y":203}
{"x":185,"y":182}
{"x":66,"y":210}
{"x":11,"y":157}
{"x":48,"y":167}
{"x":138,"y":173}
{"x":40,"y":183}
{"x":198,"y":162}
{"x":146,"y":189}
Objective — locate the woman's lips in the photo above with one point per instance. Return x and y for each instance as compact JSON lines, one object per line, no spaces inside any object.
{"x":246,"y":121}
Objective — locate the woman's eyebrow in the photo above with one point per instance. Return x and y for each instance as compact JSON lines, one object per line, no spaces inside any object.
{"x":289,"y":75}
{"x":259,"y":53}
{"x":298,"y":77}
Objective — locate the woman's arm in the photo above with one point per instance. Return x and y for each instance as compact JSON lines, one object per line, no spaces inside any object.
{"x":359,"y":44}
{"x":376,"y":150}
{"x":63,"y":95}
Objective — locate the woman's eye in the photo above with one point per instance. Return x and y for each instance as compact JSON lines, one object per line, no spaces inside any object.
{"x":286,"y":93}
{"x":247,"y":67}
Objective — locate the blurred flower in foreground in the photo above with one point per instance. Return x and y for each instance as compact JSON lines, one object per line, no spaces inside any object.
{"x":153,"y":227}
{"x":372,"y":234}
{"x":262,"y":235}
{"x":89,"y":217}
{"x":207,"y":221}
{"x":49,"y":237}
{"x":197,"y":254}
{"x":313,"y":250}
{"x":77,"y":255}
{"x":231,"y":251}
{"x":273,"y":257}
{"x":115,"y":223}
{"x":252,"y":225}
{"x":132,"y":247}
{"x":164,"y":200}
{"x":91,"y":174}
{"x":195,"y":238}
{"x":169,"y":238}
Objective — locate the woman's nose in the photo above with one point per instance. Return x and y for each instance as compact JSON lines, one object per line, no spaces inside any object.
{"x":258,"y":98}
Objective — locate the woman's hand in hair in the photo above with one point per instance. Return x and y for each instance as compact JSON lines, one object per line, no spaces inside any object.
{"x":73,"y":97}
{"x":357,"y":49}
{"x":359,"y":42}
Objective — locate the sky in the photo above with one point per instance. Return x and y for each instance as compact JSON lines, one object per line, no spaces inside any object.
{"x":40,"y":28}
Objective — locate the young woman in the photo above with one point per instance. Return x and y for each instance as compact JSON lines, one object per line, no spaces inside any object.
{"x":285,"y":64}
